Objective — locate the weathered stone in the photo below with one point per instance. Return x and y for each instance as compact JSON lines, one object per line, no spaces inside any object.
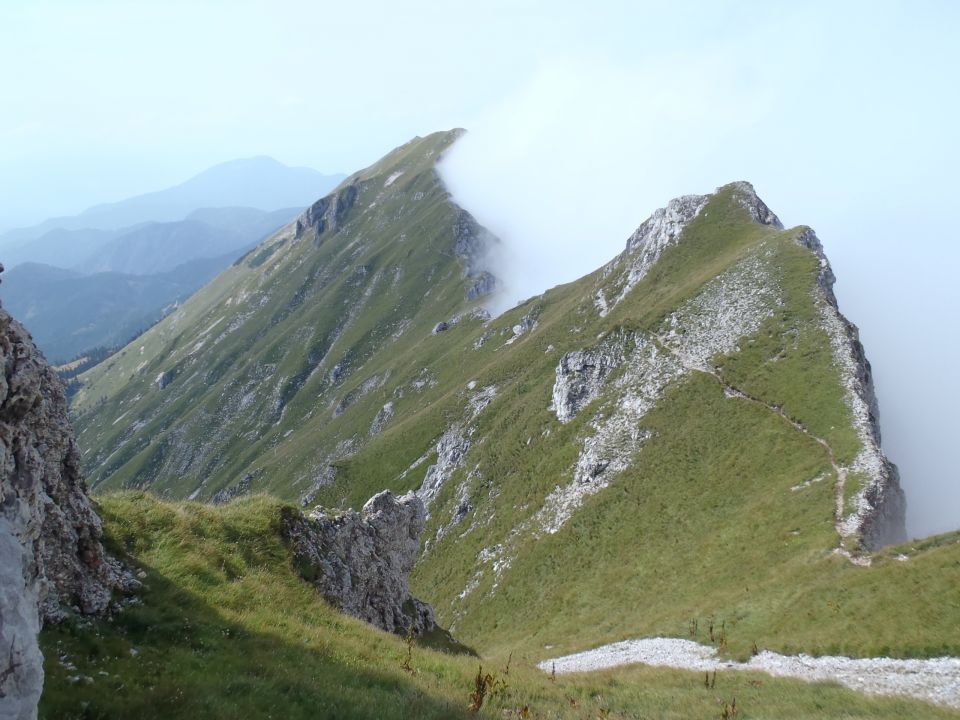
{"x":472,"y":244}
{"x":52,"y":561}
{"x":328,"y":213}
{"x":361,"y":562}
{"x":382,"y":418}
{"x":482,"y":283}
{"x":580,"y":375}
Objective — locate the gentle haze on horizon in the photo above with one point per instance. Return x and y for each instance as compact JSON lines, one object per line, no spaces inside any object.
{"x":583,"y":118}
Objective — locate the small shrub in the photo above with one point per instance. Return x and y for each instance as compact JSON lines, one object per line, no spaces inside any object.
{"x":408,"y":657}
{"x":728,"y":710}
{"x":482,"y":685}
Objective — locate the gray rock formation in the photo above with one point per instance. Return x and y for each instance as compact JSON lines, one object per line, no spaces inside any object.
{"x":645,"y":246}
{"x":472,"y":244}
{"x":52,"y":561}
{"x":361,"y":562}
{"x":162,"y":380}
{"x":581,"y":375}
{"x":383,"y":416}
{"x":752,"y":203}
{"x":241,"y":487}
{"x":481,"y":283}
{"x":662,"y":230}
{"x":328,"y":213}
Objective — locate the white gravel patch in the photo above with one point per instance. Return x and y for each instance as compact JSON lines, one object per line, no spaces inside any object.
{"x":935,"y":680}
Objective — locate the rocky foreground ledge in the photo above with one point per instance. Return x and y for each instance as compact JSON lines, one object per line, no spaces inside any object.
{"x":52,"y":561}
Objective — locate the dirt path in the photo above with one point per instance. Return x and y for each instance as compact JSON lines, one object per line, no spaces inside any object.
{"x":935,"y":680}
{"x":839,"y":471}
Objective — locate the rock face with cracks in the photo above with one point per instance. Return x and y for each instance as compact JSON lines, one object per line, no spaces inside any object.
{"x":361,"y":562}
{"x":52,"y":561}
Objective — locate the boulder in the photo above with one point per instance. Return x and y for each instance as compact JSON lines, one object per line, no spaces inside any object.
{"x":361,"y":562}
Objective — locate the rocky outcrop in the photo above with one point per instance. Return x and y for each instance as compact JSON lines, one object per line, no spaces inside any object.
{"x":242,"y":487}
{"x":52,"y":561}
{"x":658,"y":232}
{"x":663,"y":230}
{"x":361,"y":562}
{"x":454,"y":444}
{"x":451,"y":448}
{"x":751,"y":202}
{"x":472,"y":244}
{"x":580,"y":375}
{"x":328,"y":213}
{"x":480,"y":284}
{"x":162,"y":380}
{"x":614,"y":434}
{"x":381,"y":419}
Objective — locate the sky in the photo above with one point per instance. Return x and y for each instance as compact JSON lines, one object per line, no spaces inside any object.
{"x":583,"y":118}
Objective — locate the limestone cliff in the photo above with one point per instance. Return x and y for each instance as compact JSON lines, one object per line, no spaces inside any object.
{"x":52,"y":561}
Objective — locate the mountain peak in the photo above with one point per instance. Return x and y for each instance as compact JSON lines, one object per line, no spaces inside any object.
{"x":751,"y":202}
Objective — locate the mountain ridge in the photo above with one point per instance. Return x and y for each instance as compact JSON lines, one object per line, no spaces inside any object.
{"x":698,"y":399}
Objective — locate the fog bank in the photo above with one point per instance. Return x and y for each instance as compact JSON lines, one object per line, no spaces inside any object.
{"x":833,"y":130}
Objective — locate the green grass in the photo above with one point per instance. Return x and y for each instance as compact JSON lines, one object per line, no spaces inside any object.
{"x":225,"y":628}
{"x":704,"y":522}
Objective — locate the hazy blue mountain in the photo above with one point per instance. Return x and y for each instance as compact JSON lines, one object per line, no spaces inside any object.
{"x":131,"y":279}
{"x":151,"y":247}
{"x":259,"y":182}
{"x":68,"y":312}
{"x":245,"y":219}
{"x":63,"y":248}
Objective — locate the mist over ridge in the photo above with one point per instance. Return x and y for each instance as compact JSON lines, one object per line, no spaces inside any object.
{"x":569,"y":165}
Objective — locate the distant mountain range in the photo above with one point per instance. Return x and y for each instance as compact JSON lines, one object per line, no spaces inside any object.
{"x":259,"y":182}
{"x":97,"y":278}
{"x":69,"y":313}
{"x":151,"y":247}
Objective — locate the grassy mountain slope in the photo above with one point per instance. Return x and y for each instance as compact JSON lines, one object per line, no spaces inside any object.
{"x":225,"y":628}
{"x":292,"y":322}
{"x":684,"y":434}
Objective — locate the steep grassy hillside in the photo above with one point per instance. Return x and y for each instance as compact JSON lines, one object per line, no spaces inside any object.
{"x":687,"y":434}
{"x":224,"y":628}
{"x":278,"y":348}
